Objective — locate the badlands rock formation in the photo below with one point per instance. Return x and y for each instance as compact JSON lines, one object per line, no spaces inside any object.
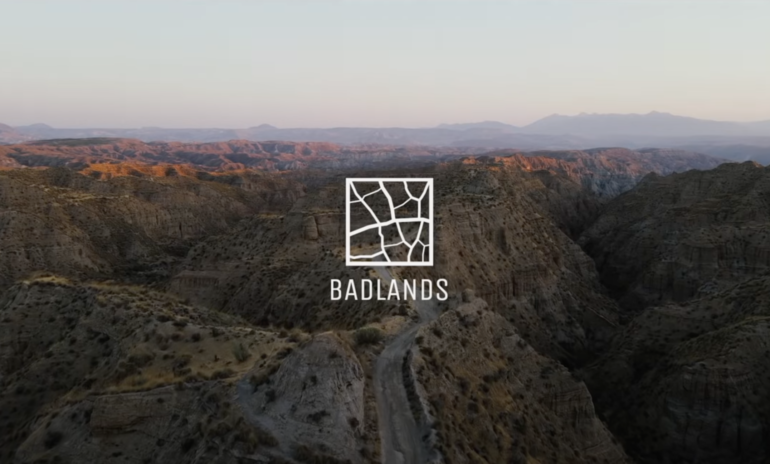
{"x":314,"y":403}
{"x":493,"y":398}
{"x":105,"y":373}
{"x":688,"y":383}
{"x":495,"y":234}
{"x":608,"y":172}
{"x":221,"y":156}
{"x":684,"y":380}
{"x":59,"y":221}
{"x":676,"y":237}
{"x":170,"y":303}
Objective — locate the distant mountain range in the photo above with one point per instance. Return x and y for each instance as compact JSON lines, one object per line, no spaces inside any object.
{"x":9,"y":134}
{"x":733,"y":140}
{"x":493,"y":125}
{"x":650,"y":125}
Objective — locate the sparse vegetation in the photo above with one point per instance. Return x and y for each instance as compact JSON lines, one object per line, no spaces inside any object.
{"x":368,"y":336}
{"x":240,"y":352}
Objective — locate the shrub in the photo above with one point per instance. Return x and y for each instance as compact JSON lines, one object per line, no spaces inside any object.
{"x":368,"y":336}
{"x":222,"y":374}
{"x":240,"y":352}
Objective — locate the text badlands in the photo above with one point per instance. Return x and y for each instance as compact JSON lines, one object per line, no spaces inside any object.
{"x":368,"y":289}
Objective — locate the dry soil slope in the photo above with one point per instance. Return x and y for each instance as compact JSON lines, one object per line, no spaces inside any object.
{"x":83,"y":363}
{"x":491,"y":397}
{"x":495,"y":233}
{"x":59,"y":221}
{"x":116,"y":374}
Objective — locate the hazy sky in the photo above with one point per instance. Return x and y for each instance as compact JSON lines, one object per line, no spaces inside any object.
{"x":293,"y":63}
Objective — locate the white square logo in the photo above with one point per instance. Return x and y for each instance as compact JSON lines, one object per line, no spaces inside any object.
{"x":389,"y":221}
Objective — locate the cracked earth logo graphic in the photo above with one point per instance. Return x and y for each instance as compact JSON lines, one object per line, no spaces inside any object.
{"x":389,"y":221}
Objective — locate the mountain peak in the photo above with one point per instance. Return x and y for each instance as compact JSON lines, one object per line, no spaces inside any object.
{"x":263,"y":127}
{"x":39,"y":125}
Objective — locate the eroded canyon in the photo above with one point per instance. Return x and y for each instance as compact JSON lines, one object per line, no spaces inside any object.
{"x":170,"y":302}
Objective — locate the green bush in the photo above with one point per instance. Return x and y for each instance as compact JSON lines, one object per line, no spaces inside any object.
{"x":240,"y":352}
{"x":368,"y":336}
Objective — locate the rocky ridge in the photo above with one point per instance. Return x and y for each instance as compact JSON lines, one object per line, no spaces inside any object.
{"x":681,"y":236}
{"x":683,"y":380}
{"x":59,"y":221}
{"x":215,"y":156}
{"x":605,"y":171}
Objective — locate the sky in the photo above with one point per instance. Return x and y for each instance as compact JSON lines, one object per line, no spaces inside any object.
{"x":377,"y":63}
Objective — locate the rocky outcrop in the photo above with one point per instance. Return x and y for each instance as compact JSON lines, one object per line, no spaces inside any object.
{"x":314,"y":403}
{"x":310,"y":227}
{"x":500,"y":239}
{"x":493,"y":398}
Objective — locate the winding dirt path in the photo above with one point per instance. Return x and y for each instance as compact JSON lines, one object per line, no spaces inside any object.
{"x":401,"y":437}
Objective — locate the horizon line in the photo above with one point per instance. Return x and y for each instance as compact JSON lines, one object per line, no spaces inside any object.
{"x":436,"y":126}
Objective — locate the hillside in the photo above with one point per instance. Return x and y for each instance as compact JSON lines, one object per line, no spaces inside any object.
{"x":167,"y":296}
{"x":109,"y":373}
{"x":493,"y":398}
{"x":685,"y":235}
{"x":689,"y":382}
{"x":686,"y":255}
{"x":170,"y":302}
{"x":129,"y":228}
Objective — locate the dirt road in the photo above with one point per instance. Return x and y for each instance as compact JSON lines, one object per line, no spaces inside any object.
{"x":400,"y":435}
